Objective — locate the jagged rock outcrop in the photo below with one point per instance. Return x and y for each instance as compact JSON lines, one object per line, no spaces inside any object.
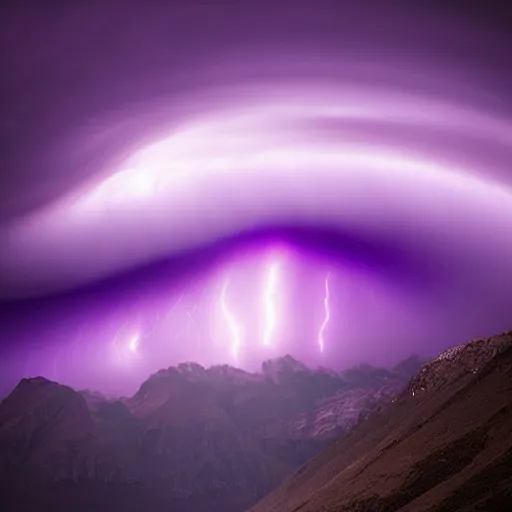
{"x":45,"y":429}
{"x":459,"y":361}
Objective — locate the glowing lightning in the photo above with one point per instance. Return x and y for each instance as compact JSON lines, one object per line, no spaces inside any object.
{"x":134,"y":343}
{"x":321,"y":341}
{"x":233,"y":327}
{"x":270,"y":303}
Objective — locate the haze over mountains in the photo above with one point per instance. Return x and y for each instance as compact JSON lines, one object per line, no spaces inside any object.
{"x":430,"y":437}
{"x":190,"y":439}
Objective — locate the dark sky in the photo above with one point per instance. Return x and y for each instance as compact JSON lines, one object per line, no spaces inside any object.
{"x":152,"y":152}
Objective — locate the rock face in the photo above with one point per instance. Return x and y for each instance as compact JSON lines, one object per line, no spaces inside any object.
{"x":443,"y":445}
{"x":43,"y":426}
{"x":190,"y":439}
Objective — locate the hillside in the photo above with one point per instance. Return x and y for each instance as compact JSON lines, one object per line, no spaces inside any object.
{"x":444,"y":445}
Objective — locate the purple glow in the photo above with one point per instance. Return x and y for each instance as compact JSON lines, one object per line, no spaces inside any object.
{"x":321,"y":332}
{"x":233,"y":326}
{"x":270,"y":303}
{"x":125,"y":345}
{"x":134,"y":343}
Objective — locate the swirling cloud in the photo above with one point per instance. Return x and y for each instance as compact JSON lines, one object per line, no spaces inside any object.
{"x":296,"y":123}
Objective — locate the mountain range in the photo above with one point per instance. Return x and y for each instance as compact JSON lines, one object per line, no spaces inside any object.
{"x":191,"y":439}
{"x":425,"y":436}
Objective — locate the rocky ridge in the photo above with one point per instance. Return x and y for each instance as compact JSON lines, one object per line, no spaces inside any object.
{"x":459,"y":361}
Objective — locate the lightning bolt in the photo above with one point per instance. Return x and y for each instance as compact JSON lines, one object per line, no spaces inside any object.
{"x":161,"y":318}
{"x":234,"y":328}
{"x":269,"y":300}
{"x":321,"y":332}
{"x":115,"y":344}
{"x":191,"y":321}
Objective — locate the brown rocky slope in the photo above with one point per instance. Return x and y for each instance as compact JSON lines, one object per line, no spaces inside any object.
{"x":444,"y":445}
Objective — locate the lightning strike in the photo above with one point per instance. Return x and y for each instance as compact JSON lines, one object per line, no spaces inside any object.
{"x":162,"y":318}
{"x":233,"y":327}
{"x":191,"y":322}
{"x":115,"y":345}
{"x":327,"y":317}
{"x":270,"y":303}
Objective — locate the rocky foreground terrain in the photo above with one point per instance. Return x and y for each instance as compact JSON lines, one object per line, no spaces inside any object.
{"x":443,"y":445}
{"x":433,"y":437}
{"x":191,"y":439}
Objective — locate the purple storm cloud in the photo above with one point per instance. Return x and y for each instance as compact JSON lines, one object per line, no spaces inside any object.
{"x":228,"y":182}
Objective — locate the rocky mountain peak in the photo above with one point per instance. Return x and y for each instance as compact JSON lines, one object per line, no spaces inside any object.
{"x":34,"y":394}
{"x":193,"y":371}
{"x":274,"y":369}
{"x":34,"y":381}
